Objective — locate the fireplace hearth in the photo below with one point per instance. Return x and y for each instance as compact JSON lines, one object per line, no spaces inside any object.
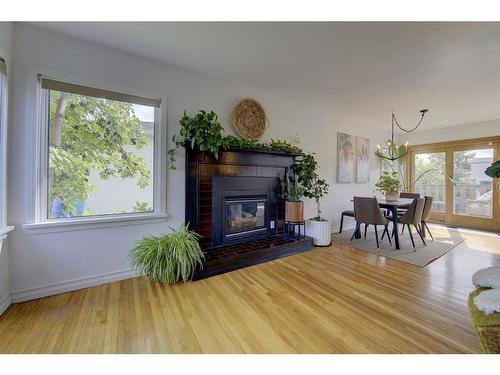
{"x":236,"y":203}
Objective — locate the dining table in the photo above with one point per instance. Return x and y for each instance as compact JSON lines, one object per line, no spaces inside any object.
{"x":392,"y":206}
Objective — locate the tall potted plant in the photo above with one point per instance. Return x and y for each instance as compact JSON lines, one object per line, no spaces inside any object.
{"x":389,"y":185}
{"x":318,"y":227}
{"x":294,"y":207}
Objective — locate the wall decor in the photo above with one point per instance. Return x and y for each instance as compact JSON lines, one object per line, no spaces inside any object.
{"x":249,"y":119}
{"x":362,"y":146}
{"x":345,"y":158}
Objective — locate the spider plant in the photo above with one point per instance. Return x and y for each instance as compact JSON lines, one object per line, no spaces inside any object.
{"x":168,"y":258}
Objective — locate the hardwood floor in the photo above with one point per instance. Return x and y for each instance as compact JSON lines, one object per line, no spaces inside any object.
{"x":328,"y":300}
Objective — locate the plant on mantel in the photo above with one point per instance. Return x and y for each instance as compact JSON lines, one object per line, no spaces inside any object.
{"x":205,"y":132}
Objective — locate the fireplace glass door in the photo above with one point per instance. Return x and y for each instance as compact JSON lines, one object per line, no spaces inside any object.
{"x":245,"y":215}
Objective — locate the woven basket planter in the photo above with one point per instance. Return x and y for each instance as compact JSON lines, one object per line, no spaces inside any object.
{"x":294,"y":211}
{"x":249,"y":119}
{"x":487,"y":326}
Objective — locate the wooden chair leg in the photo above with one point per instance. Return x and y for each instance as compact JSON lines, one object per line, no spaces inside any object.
{"x":411,"y":237}
{"x":341,"y":222}
{"x":420,"y":234}
{"x":366,"y":227}
{"x":428,"y":230}
{"x":376,"y":237}
{"x":355,"y":231}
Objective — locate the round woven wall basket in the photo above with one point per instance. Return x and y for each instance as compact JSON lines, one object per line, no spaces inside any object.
{"x":249,"y":119}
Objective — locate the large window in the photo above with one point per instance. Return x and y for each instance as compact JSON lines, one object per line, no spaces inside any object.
{"x":100,"y":152}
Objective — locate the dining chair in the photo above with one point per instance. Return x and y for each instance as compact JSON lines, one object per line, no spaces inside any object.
{"x":413,"y":216}
{"x":405,"y":194}
{"x":368,"y":212}
{"x":349,"y":213}
{"x":426,"y":214}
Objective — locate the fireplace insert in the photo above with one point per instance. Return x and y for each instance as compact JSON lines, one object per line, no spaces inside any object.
{"x":243,"y":208}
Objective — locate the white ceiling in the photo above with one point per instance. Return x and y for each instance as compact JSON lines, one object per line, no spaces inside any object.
{"x":366,"y":68}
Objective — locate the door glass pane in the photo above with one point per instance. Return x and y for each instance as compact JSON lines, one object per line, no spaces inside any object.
{"x":430,"y":173}
{"x":473,"y":189}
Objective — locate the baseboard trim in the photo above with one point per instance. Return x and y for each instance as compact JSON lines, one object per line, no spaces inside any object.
{"x":68,"y":286}
{"x":345,"y":227}
{"x":5,"y":303}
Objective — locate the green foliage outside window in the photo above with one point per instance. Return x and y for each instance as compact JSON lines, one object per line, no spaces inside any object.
{"x":86,"y":134}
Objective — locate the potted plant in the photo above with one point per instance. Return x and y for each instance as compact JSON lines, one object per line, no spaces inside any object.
{"x":319,"y":228}
{"x":168,"y":258}
{"x":294,"y":207}
{"x":494,"y":170}
{"x":389,"y":185}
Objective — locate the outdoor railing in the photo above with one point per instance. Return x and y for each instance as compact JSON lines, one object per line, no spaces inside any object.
{"x":465,"y":197}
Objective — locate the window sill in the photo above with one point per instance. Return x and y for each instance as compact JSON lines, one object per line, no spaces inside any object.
{"x":70,"y":225}
{"x":4,"y":231}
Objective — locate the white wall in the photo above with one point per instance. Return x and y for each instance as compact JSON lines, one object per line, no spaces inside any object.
{"x":46,"y":263}
{"x":457,"y":132}
{"x":6,"y":53}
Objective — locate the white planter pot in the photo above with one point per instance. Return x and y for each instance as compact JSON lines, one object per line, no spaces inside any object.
{"x":320,"y":231}
{"x":391,"y":196}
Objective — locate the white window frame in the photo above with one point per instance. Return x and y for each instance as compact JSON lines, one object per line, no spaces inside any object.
{"x":38,"y":179}
{"x":4,"y":90}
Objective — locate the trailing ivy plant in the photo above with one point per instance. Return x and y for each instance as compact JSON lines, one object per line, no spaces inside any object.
{"x":203,"y":131}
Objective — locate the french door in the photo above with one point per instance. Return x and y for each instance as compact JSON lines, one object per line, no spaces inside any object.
{"x":453,"y":174}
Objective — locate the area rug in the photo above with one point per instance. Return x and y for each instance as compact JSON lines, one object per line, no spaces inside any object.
{"x":419,"y":256}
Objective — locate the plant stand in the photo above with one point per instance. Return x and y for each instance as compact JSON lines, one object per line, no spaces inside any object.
{"x":291,"y":225}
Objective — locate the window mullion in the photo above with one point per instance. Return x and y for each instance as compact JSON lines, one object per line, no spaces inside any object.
{"x":42,"y":156}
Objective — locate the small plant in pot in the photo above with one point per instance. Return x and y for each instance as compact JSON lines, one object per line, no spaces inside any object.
{"x":389,"y":185}
{"x":168,"y":258}
{"x":294,"y":207}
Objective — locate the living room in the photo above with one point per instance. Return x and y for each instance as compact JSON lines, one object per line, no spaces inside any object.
{"x":249,"y":187}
